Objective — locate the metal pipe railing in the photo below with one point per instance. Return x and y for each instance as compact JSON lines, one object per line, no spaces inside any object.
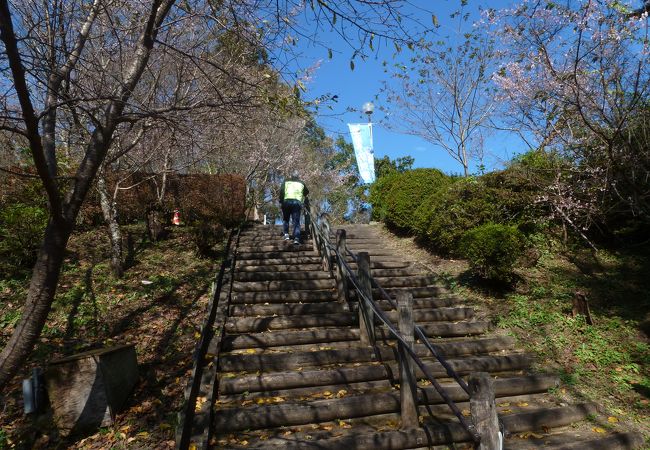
{"x":377,"y":311}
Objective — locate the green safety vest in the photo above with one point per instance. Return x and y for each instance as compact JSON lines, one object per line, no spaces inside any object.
{"x":293,"y":190}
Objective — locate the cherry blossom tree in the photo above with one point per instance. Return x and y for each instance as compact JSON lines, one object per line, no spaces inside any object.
{"x":576,"y":81}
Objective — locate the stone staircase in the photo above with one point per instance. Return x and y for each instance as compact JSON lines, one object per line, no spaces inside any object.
{"x":293,"y":374}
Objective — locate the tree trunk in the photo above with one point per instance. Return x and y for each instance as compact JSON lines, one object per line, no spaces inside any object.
{"x":42,"y":288}
{"x":155,"y":224}
{"x":47,"y":269}
{"x":114,"y":232}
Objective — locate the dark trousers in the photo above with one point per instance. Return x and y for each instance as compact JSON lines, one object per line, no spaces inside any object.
{"x":291,"y":209}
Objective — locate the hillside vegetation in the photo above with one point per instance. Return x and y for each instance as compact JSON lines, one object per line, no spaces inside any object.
{"x":526,"y":264}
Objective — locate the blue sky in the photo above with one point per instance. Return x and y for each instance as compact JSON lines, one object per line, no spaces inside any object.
{"x":355,"y":87}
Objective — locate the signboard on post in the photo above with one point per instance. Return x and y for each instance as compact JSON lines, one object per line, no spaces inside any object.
{"x":361,"y":134}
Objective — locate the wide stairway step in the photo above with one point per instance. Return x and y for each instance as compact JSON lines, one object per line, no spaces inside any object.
{"x":285,"y":309}
{"x":285,"y":413}
{"x":333,"y":334}
{"x":343,"y":319}
{"x":273,"y":361}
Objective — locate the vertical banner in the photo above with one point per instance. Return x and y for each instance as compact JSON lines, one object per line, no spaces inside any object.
{"x":361,"y":134}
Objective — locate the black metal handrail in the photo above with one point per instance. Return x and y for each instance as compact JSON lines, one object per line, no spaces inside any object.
{"x":323,"y":244}
{"x":186,"y":422}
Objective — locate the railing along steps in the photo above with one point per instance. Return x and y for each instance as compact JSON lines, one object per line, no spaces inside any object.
{"x":294,"y":375}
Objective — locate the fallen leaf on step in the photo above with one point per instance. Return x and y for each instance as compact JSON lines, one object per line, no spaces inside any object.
{"x":466,"y":413}
{"x":598,"y":430}
{"x":522,"y":404}
{"x":343,"y":424}
{"x":612,"y":419}
{"x":503,"y":404}
{"x":530,"y":434}
{"x":199,"y":403}
{"x":506,"y":411}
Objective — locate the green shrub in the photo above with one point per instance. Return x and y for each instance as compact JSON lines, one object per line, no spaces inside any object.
{"x":492,"y":250}
{"x":21,"y":233}
{"x":205,"y":235}
{"x":406,"y":193}
{"x":442,"y":218}
{"x":378,"y":192}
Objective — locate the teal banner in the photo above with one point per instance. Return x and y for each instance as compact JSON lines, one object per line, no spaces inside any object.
{"x":361,"y":134}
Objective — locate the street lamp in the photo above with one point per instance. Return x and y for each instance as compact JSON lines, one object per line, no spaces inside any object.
{"x":368,"y":108}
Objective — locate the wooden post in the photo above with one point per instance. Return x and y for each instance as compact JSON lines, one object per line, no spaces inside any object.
{"x":484,"y":413}
{"x":366,"y":315}
{"x":315,"y":237}
{"x":408,"y":386}
{"x":307,"y":218}
{"x":325,"y":256}
{"x":581,"y":306}
{"x":341,"y":278}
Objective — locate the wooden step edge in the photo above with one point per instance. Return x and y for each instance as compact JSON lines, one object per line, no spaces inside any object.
{"x":273,"y":361}
{"x":393,"y":439}
{"x":569,"y":441}
{"x":233,"y":383}
{"x":285,"y":308}
{"x":276,"y":338}
{"x":257,"y":324}
{"x":284,"y":414}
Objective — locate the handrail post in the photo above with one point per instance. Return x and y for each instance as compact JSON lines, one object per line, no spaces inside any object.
{"x":483,"y":409}
{"x":307,"y":217}
{"x":366,"y":315}
{"x":408,"y":386}
{"x":341,"y":278}
{"x":326,"y":257}
{"x":315,"y":237}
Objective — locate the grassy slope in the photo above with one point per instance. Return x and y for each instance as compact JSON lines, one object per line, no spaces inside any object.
{"x":607,"y":362}
{"x":93,"y":309}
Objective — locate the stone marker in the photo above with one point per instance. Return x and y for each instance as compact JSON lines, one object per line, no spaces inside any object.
{"x":88,"y":389}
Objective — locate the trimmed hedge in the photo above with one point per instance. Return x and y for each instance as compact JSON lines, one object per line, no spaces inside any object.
{"x":493,"y":250}
{"x":442,"y":219}
{"x":199,"y":197}
{"x":398,"y":195}
{"x":378,"y":192}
